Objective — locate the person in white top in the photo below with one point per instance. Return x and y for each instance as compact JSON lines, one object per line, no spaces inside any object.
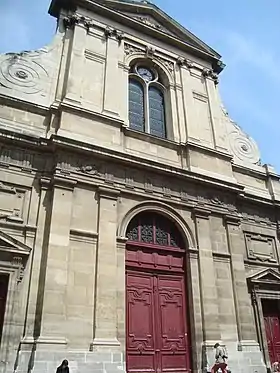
{"x":220,"y":359}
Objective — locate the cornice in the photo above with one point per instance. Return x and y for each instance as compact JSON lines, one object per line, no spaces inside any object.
{"x":42,"y":146}
{"x":130,"y":159}
{"x":17,"y":103}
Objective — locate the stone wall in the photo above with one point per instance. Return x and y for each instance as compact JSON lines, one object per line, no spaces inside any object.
{"x":73,"y":174}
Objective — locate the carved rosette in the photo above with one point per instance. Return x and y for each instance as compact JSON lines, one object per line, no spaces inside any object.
{"x":22,"y":74}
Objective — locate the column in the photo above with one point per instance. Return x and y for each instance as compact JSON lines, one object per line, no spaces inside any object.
{"x":112,"y":97}
{"x":105,"y":315}
{"x":243,"y":308}
{"x":209,"y":299}
{"x":54,"y":265}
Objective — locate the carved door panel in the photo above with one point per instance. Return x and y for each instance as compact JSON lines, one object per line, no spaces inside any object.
{"x":156,"y":323}
{"x":140,"y":340}
{"x":272,"y":329}
{"x":3,"y":296}
{"x":172,"y":326}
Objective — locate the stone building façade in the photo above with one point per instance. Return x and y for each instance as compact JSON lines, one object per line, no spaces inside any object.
{"x":137,"y":224}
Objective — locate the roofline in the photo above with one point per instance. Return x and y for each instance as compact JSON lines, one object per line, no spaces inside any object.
{"x":217,"y":64}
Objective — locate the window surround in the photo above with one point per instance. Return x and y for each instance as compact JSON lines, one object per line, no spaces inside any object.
{"x":148,"y":76}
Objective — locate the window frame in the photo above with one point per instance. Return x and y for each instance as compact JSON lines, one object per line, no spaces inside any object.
{"x":134,"y":75}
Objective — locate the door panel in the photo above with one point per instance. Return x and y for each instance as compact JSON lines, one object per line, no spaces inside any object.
{"x":156,"y":323}
{"x":140,"y":323}
{"x":172,"y":324}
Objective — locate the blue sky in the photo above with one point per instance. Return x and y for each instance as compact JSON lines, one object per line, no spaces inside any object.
{"x":245,"y":32}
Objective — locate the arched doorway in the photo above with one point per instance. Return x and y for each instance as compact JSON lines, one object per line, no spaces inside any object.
{"x":157,"y":334}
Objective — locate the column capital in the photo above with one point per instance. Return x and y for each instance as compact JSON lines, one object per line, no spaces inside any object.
{"x":64,"y":183}
{"x":201,"y":213}
{"x":121,"y":242}
{"x":45,"y":183}
{"x":108,"y":193}
{"x":232,"y":220}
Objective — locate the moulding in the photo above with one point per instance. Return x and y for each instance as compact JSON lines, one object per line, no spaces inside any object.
{"x":64,"y":183}
{"x":108,"y":193}
{"x":201,"y":213}
{"x":82,"y":235}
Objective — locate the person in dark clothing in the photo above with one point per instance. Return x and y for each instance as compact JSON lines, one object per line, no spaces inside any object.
{"x":63,"y":368}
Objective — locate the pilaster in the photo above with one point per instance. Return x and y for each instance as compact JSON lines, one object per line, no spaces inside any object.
{"x":219,"y":130}
{"x":105,"y":315}
{"x":121,"y":306}
{"x":209,"y":299}
{"x":55,"y":264}
{"x":112,"y":97}
{"x":76,"y":65}
{"x":32,"y":328}
{"x":243,"y":309}
{"x":189,"y":109}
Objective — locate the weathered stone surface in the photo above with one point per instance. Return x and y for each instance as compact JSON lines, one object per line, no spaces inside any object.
{"x":73,"y":175}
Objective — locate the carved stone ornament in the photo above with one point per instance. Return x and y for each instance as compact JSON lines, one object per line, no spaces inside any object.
{"x":90,"y":170}
{"x":260,"y":247}
{"x":131,"y":49}
{"x":181,"y":61}
{"x":113,"y":33}
{"x":149,"y":22}
{"x":209,"y":73}
{"x":168,"y":64}
{"x":150,"y":52}
{"x":242,"y":146}
{"x":22,"y":73}
{"x":17,"y":261}
{"x":72,"y":20}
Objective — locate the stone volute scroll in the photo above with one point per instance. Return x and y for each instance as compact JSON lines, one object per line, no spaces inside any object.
{"x":22,"y":72}
{"x":243,"y":148}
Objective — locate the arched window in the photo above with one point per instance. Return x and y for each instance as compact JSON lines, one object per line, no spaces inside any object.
{"x":146,"y":101}
{"x":154,"y":229}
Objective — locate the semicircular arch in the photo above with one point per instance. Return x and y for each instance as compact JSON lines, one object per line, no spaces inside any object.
{"x":165,"y":73}
{"x":163,"y":209}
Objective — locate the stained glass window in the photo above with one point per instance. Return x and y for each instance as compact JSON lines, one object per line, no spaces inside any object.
{"x":152,"y":228}
{"x":136,"y":105}
{"x":146,"y":101}
{"x":156,"y":107}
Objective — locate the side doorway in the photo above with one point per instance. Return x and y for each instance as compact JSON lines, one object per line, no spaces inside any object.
{"x":4,"y":281}
{"x":271,"y":315}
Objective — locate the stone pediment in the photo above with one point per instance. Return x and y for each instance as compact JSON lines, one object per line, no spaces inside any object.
{"x":10,"y":246}
{"x":267,"y":276}
{"x":145,"y":13}
{"x":152,"y":16}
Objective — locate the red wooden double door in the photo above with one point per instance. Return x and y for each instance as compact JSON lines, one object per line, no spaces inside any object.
{"x":156,"y":319}
{"x":271,"y":313}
